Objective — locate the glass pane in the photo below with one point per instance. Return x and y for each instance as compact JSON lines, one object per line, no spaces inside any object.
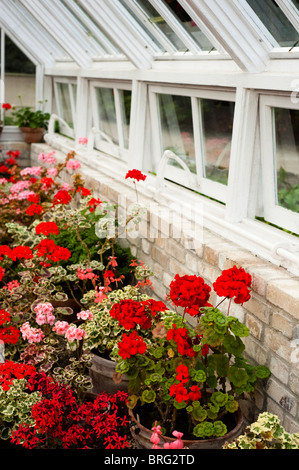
{"x":188,"y":24}
{"x":19,"y":79}
{"x":155,"y":18}
{"x":217,"y":123}
{"x":286,"y":123}
{"x":275,"y":21}
{"x":177,"y":128}
{"x":107,"y":114}
{"x":65,"y":103}
{"x":143,"y":25}
{"x":125,"y":101}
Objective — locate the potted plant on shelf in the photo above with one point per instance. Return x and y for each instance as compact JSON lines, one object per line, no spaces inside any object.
{"x":188,"y":378}
{"x":32,"y":123}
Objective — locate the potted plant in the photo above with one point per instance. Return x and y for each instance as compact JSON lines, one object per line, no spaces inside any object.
{"x":32,"y":123}
{"x":265,"y":433}
{"x":61,"y":421}
{"x":189,"y":378}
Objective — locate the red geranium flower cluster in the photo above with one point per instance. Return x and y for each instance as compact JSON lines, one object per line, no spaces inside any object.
{"x":93,"y":204}
{"x":130,"y":345}
{"x":9,"y":334}
{"x":47,"y":228}
{"x":51,"y":251}
{"x":179,"y":391}
{"x":2,"y":273}
{"x":84,"y":191}
{"x":47,"y":182}
{"x":18,"y":252}
{"x":61,"y":197}
{"x":183,"y":341}
{"x":131,"y":313}
{"x":61,"y":422}
{"x":136,"y":175}
{"x":10,"y":371}
{"x":189,"y":291}
{"x":234,"y":283}
{"x":34,"y":209}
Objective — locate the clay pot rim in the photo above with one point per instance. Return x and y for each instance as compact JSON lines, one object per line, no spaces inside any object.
{"x":187,"y":442}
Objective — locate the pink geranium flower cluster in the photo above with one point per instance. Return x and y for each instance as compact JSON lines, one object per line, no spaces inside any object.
{"x":47,"y":158}
{"x":32,"y":335}
{"x":44,"y":314}
{"x":73,"y":165}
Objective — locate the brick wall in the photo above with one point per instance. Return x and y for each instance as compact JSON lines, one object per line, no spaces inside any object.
{"x":272,"y":313}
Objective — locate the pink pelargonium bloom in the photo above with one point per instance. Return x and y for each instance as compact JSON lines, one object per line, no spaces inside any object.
{"x":65,"y":187}
{"x":100,"y":295}
{"x":20,"y":186}
{"x":12,"y":285}
{"x":61,"y":327}
{"x":85,"y":315}
{"x":52,"y":172}
{"x":44,"y":313}
{"x":47,"y":158}
{"x":74,"y":333}
{"x":85,"y":273}
{"x":83,"y":140}
{"x":3,"y":180}
{"x":73,"y":164}
{"x":33,"y":335}
{"x":32,"y":171}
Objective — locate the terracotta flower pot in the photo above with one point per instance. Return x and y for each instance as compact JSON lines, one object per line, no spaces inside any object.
{"x":32,"y":136}
{"x":142,"y":436}
{"x":104,"y":377}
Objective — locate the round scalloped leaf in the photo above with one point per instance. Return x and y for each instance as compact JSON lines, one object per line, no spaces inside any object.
{"x":61,"y":296}
{"x":262,"y":372}
{"x":237,"y":328}
{"x":149,"y":396}
{"x":199,"y":413}
{"x":237,"y":376}
{"x":219,"y":429}
{"x":233,"y":345}
{"x":132,"y":401}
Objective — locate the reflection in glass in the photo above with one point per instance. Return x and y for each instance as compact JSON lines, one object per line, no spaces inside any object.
{"x":125,"y":103}
{"x":19,"y":79}
{"x":107,"y":113}
{"x":217,"y":123}
{"x":275,"y":21}
{"x":155,"y":17}
{"x":286,"y":126}
{"x":177,"y":128}
{"x":188,"y":24}
{"x":65,"y":103}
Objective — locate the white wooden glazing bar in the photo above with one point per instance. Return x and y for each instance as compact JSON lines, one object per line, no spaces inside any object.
{"x":175,"y":26}
{"x":234,"y":30}
{"x":26,"y":38}
{"x":108,"y":45}
{"x":291,"y":12}
{"x":69,"y":38}
{"x":192,"y":13}
{"x":241,"y":157}
{"x":114,"y":20}
{"x":160,"y":37}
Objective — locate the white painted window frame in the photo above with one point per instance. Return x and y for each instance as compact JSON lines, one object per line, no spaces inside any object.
{"x":101,"y":141}
{"x":201,"y":184}
{"x":273,"y":213}
{"x":70,"y":82}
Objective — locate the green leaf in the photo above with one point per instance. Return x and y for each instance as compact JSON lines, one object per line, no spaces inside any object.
{"x":149,"y":396}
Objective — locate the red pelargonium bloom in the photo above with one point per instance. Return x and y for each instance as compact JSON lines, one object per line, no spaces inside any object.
{"x":183,"y":341}
{"x":131,"y":313}
{"x":136,"y":175}
{"x":47,"y":183}
{"x":130,"y":345}
{"x":4,"y":169}
{"x":61,"y":197}
{"x":2,"y":273}
{"x":234,"y":283}
{"x":34,"y":209}
{"x":53,"y":252}
{"x":84,"y":191}
{"x":6,"y":106}
{"x":47,"y":228}
{"x":93,"y":204}
{"x":179,"y":392}
{"x":10,"y":371}
{"x":189,"y":291}
{"x":35,"y":198}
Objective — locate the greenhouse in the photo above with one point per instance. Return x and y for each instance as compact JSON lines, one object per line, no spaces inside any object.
{"x":149,"y":224}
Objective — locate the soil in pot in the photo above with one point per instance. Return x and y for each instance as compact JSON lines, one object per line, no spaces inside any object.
{"x":144,"y":418}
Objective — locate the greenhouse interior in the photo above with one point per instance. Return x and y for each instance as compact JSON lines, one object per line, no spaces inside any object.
{"x":149,"y":224}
